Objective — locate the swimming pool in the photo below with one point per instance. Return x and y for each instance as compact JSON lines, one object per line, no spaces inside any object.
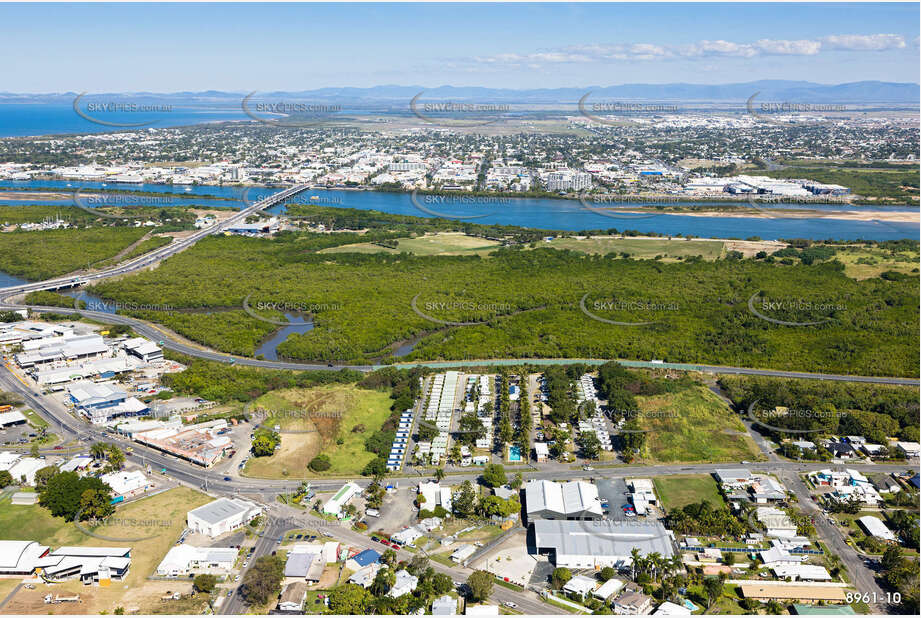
{"x":514,"y":453}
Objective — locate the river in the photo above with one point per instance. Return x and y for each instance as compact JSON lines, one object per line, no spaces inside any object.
{"x":539,"y":213}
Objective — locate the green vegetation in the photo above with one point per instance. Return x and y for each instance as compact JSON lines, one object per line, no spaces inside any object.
{"x":51,"y":299}
{"x":145,"y":246}
{"x":223,"y":383}
{"x":693,"y":425}
{"x":875,"y":411}
{"x":527,"y":304}
{"x":679,"y":490}
{"x":262,"y":581}
{"x":51,"y":253}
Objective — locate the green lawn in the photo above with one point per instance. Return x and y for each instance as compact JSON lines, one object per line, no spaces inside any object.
{"x":679,"y":490}
{"x":640,"y":248}
{"x":693,"y":425}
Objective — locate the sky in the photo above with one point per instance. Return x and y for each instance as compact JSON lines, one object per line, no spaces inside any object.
{"x":247,"y":47}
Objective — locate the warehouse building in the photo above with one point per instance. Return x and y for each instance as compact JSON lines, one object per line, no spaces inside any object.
{"x":875,"y":527}
{"x":571,"y":500}
{"x":222,"y":515}
{"x":597,"y":544}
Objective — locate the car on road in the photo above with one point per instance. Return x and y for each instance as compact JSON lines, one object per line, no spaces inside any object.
{"x":226,"y":478}
{"x":510,"y":604}
{"x":229,"y":592}
{"x":236,"y":578}
{"x":588,"y":468}
{"x":375,"y":539}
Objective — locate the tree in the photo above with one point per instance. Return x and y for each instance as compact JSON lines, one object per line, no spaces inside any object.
{"x":383,"y":582}
{"x":95,"y":504}
{"x":439,"y":474}
{"x":205,"y":582}
{"x":606,"y":573}
{"x":442,"y":583}
{"x":43,"y":475}
{"x":263,"y":580}
{"x":263,"y":444}
{"x":714,"y":589}
{"x":464,"y":502}
{"x":480,"y":585}
{"x":350,"y":599}
{"x":729,"y":557}
{"x":517,"y":482}
{"x":6,"y":478}
{"x":320,"y":463}
{"x":494,"y":475}
{"x":64,"y":492}
{"x":115,"y":457}
{"x":560,"y":576}
{"x":389,"y":557}
{"x":98,"y":450}
{"x":34,"y":452}
{"x":591,"y":445}
{"x":418,"y":565}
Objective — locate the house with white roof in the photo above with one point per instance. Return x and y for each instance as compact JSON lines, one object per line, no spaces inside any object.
{"x":186,"y":559}
{"x":334,"y":505}
{"x":125,"y":483}
{"x":875,"y":527}
{"x":580,"y":584}
{"x":405,"y":583}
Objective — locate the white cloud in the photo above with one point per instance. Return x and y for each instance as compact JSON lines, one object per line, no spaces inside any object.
{"x":599,"y":53}
{"x":864,"y":42}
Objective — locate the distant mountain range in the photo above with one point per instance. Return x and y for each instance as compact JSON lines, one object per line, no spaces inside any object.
{"x":855,"y":93}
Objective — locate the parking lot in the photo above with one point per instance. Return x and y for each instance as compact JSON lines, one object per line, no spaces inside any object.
{"x":613,"y":491}
{"x":17,"y":434}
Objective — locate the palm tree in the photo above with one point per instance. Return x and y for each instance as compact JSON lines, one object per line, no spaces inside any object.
{"x":98,"y":450}
{"x":439,"y":474}
{"x":635,"y":555}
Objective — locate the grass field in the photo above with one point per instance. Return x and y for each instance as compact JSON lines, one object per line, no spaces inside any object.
{"x":640,"y":248}
{"x":161,"y":517}
{"x":679,"y":490}
{"x":447,"y":243}
{"x":326,"y":415}
{"x":866,"y":262}
{"x":693,"y":425}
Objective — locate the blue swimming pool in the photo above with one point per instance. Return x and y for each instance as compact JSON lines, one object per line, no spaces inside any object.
{"x":514,"y":453}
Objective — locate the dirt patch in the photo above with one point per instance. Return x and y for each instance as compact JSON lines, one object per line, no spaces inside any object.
{"x":750,"y":248}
